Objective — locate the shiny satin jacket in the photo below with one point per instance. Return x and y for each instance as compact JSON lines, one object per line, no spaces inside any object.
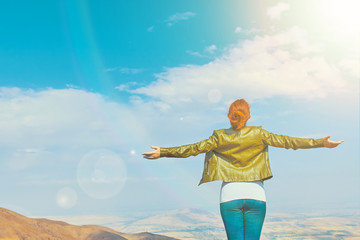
{"x":238,"y":155}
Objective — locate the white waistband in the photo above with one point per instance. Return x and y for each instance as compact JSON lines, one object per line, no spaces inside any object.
{"x":242,"y":190}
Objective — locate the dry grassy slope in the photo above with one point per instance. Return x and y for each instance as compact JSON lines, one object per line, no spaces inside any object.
{"x":16,"y":226}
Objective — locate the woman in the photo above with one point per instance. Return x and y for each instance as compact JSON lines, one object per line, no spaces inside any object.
{"x":238,"y":156}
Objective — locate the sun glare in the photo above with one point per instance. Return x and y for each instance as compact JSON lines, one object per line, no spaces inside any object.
{"x":341,"y":16}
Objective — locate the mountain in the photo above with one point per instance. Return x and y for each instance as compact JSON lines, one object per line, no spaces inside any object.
{"x":192,"y":224}
{"x":189,"y":224}
{"x":17,"y":226}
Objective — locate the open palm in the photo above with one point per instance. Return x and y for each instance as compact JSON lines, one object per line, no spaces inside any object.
{"x":331,"y":144}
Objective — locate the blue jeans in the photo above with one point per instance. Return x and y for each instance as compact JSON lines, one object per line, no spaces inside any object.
{"x":243,"y":218}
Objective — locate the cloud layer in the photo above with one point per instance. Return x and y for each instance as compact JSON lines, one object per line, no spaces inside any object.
{"x":283,"y":64}
{"x":37,"y":125}
{"x":276,"y":11}
{"x":178,"y":17}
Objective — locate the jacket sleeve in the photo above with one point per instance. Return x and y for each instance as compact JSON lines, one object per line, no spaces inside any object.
{"x":191,"y":149}
{"x":287,"y":142}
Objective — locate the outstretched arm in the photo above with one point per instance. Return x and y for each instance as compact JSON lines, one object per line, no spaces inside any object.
{"x":185,"y":150}
{"x":287,"y":142}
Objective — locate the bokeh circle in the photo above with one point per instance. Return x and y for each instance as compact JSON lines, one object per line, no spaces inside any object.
{"x":101,"y":174}
{"x":66,"y":197}
{"x":214,"y":95}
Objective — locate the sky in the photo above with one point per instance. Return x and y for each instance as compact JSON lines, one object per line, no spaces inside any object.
{"x":87,"y":86}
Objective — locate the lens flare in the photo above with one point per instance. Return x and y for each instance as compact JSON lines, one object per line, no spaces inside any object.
{"x":101,"y":174}
{"x":342,"y":16}
{"x":214,"y":95}
{"x":66,"y":198}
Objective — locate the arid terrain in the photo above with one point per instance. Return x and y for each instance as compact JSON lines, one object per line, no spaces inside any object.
{"x":312,"y":227}
{"x":194,"y":224}
{"x":16,"y":226}
{"x":187,"y":224}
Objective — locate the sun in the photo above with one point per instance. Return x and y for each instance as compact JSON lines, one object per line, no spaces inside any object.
{"x":340,"y":16}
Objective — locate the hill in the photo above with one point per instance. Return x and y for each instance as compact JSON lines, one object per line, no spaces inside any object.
{"x":17,"y":226}
{"x":183,"y":223}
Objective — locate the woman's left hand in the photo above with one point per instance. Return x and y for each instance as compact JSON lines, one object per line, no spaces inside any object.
{"x":331,"y":144}
{"x":153,"y":154}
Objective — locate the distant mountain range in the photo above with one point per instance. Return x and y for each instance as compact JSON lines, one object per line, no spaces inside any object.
{"x":17,"y":226}
{"x":194,"y":224}
{"x":185,"y":224}
{"x":189,"y":224}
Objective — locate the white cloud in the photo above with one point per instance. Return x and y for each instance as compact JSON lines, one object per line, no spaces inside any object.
{"x":352,"y":66}
{"x":162,"y":106}
{"x":126,"y":86}
{"x":69,"y":85}
{"x":196,"y":54}
{"x":210,"y":49}
{"x":22,"y":158}
{"x":238,"y":30}
{"x":247,"y":31}
{"x":125,"y":70}
{"x":33,"y":121}
{"x":275,"y":12}
{"x":178,"y":17}
{"x":122,"y":87}
{"x":283,"y":64}
{"x":254,"y":31}
{"x":44,"y":131}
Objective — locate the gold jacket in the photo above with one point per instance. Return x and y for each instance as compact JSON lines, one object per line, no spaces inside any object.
{"x":238,"y":155}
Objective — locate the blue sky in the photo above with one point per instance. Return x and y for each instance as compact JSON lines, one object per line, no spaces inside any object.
{"x":87,"y":86}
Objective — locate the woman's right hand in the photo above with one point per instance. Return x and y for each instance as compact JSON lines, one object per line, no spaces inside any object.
{"x":153,"y":154}
{"x":330,"y":144}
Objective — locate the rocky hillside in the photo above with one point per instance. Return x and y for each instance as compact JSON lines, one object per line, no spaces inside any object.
{"x":16,"y":226}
